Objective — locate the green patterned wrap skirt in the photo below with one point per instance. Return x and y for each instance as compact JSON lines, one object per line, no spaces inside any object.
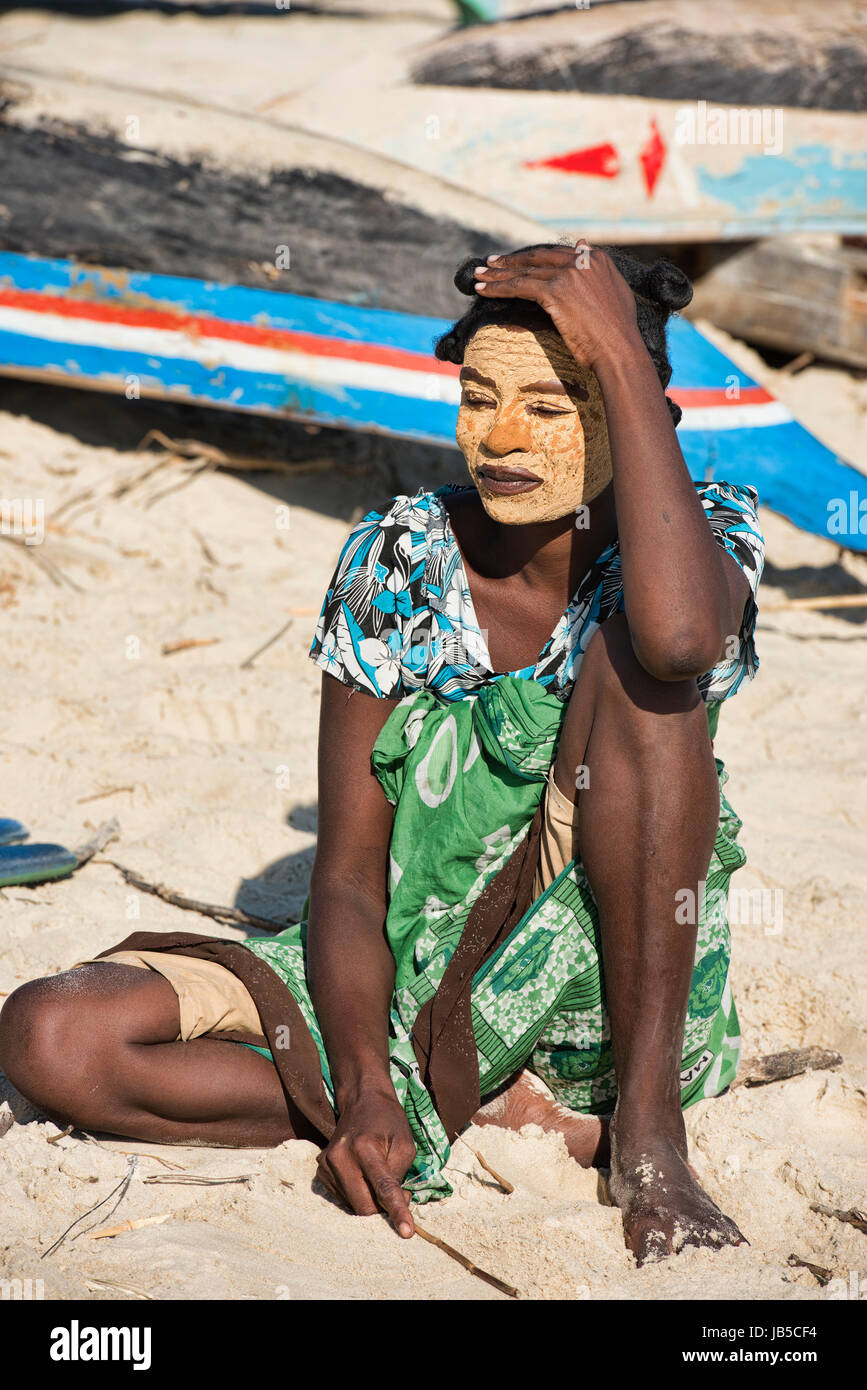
{"x":465,"y":779}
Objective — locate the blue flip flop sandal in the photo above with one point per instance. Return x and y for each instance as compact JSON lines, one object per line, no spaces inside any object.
{"x":12,"y":832}
{"x":34,"y":863}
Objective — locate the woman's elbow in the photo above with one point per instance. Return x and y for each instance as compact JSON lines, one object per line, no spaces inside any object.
{"x":679,"y":656}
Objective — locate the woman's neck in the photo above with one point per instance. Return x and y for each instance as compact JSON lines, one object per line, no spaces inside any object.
{"x":547,"y":555}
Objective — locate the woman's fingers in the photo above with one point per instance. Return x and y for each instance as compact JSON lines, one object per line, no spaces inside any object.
{"x":330,"y":1179}
{"x":511,"y":285}
{"x":556,"y":257}
{"x":343,"y":1180}
{"x":389,"y":1194}
{"x":346,"y":1172}
{"x":359,"y":1175}
{"x":510,"y":272}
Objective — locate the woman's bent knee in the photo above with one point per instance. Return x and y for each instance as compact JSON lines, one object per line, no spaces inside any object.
{"x":29,"y":1012}
{"x":36,"y":1027}
{"x":56,"y":1033}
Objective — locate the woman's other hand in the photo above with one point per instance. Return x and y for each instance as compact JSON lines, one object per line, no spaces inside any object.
{"x":369,"y":1156}
{"x":582,"y":292}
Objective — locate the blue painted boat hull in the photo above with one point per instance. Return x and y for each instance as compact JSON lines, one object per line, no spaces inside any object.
{"x":343,"y":366}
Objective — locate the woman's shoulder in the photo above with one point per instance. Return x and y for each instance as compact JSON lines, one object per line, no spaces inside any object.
{"x":732,"y":511}
{"x":380,"y":594}
{"x":408,"y":524}
{"x":412,"y":510}
{"x":740,"y":498}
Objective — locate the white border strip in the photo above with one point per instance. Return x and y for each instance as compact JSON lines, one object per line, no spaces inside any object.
{"x":339,"y":373}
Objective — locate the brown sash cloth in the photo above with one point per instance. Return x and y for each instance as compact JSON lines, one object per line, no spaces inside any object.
{"x":443,"y":1037}
{"x":297,"y":1066}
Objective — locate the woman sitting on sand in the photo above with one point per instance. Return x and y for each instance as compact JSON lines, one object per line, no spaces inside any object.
{"x":517,"y":907}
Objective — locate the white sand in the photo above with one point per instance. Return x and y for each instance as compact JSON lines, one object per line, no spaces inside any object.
{"x":200,"y":743}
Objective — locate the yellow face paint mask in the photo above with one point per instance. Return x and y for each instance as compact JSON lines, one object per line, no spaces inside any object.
{"x":531,"y":425}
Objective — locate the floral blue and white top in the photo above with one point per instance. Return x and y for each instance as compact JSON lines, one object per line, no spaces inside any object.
{"x":399,"y":616}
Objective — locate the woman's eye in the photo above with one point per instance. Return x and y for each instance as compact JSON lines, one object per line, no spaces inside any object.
{"x":476,"y":400}
{"x":548,"y":410}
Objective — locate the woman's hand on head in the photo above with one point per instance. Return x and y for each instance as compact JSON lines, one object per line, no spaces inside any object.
{"x":368,"y":1157}
{"x":582,"y":292}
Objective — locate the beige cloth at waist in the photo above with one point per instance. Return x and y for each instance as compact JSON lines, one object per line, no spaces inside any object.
{"x":210,"y":998}
{"x":558,"y":840}
{"x":213,"y":1000}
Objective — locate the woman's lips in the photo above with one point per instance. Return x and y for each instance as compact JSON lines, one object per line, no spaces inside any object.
{"x":505,"y":482}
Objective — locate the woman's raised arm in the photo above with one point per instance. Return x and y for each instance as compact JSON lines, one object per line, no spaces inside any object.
{"x":684,"y":597}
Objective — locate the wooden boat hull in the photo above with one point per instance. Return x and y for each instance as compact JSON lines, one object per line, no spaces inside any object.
{"x":346,"y":366}
{"x":622,"y":169}
{"x":263,"y":204}
{"x":791,"y":53}
{"x":616,"y":152}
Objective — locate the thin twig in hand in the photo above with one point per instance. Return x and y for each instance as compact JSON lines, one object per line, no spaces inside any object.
{"x":465,"y":1261}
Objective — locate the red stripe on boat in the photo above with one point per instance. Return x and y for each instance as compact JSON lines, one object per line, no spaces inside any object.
{"x":200,"y":326}
{"x":692,"y":397}
{"x":309,"y":344}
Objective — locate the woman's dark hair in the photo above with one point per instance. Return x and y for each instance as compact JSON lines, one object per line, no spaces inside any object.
{"x":659,"y":289}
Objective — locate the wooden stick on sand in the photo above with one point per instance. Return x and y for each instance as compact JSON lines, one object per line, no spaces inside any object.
{"x":218,"y":913}
{"x":818,"y":601}
{"x":852,"y":1217}
{"x":128,"y":1226}
{"x":454,"y":1254}
{"x":248,"y":662}
{"x":507,"y":1187}
{"x":184,"y":644}
{"x":780,"y":1066}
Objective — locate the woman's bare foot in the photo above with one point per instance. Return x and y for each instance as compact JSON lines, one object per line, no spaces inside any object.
{"x":526,"y":1100}
{"x":663,"y":1205}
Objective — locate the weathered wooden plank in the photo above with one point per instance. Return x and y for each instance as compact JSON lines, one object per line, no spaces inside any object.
{"x":621,"y":169}
{"x":791,"y":295}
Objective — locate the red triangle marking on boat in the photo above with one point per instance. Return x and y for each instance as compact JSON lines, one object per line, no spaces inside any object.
{"x":652,"y":158}
{"x":601,"y":160}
